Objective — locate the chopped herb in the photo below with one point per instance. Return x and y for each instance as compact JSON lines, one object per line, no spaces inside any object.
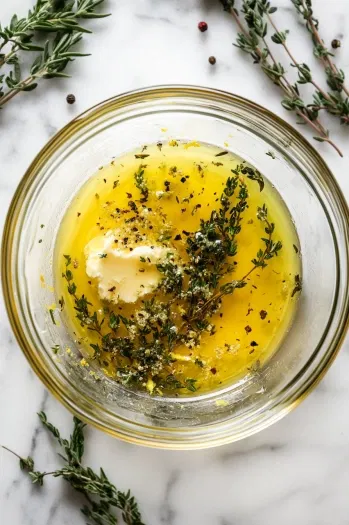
{"x":271,"y":154}
{"x":141,"y":155}
{"x":221,"y":153}
{"x":103,"y":255}
{"x":52,"y":316}
{"x":298,"y":285}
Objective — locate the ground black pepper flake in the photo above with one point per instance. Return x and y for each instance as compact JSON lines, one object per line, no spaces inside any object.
{"x":183,"y":179}
{"x":248,"y":329}
{"x":213,"y":371}
{"x":253,"y":343}
{"x":263,"y":314}
{"x":178,"y":237}
{"x":212,"y":60}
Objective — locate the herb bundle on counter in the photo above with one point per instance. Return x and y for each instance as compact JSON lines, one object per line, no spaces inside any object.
{"x":59,"y":21}
{"x":254,"y":20}
{"x":102,"y":497}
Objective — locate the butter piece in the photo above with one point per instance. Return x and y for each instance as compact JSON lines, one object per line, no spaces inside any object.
{"x":122,"y":274}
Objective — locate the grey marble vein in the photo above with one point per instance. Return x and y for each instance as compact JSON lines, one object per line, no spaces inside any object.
{"x":167,"y":510}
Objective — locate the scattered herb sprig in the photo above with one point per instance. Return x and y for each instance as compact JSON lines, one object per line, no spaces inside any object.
{"x":60,"y":18}
{"x":335,"y":76}
{"x":331,"y":102}
{"x":142,"y":347}
{"x":252,"y":40}
{"x":102,"y":497}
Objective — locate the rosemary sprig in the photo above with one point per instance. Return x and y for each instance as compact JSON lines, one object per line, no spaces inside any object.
{"x":252,"y":40}
{"x":335,"y":103}
{"x":47,"y":16}
{"x":101,"y":495}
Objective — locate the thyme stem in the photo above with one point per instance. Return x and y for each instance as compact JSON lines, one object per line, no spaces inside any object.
{"x":248,"y":41}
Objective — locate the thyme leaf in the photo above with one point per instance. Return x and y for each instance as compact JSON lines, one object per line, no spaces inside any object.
{"x":102,"y":497}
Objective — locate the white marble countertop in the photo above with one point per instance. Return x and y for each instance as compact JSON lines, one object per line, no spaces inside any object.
{"x":297,"y":471}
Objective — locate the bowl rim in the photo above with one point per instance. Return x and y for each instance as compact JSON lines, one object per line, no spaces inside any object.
{"x":9,"y":232}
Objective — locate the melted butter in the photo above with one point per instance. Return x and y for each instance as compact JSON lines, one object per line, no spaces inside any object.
{"x":185,"y":183}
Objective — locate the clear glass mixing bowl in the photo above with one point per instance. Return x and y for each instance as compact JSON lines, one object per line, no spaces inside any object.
{"x":318,"y":209}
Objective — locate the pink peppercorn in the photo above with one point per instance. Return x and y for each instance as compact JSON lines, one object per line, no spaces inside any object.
{"x":202,"y":26}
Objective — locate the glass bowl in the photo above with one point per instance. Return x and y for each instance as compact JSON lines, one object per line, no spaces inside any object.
{"x":321,"y":218}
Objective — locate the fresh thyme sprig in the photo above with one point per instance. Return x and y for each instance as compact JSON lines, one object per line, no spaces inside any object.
{"x":101,"y":495}
{"x":141,"y":183}
{"x":335,"y":77}
{"x":252,"y":40}
{"x":47,"y":16}
{"x":331,"y":102}
{"x":271,"y":250}
{"x":143,"y":346}
{"x":50,"y":64}
{"x":81,"y":303}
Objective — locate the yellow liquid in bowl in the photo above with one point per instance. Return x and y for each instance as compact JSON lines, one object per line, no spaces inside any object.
{"x":184,"y":183}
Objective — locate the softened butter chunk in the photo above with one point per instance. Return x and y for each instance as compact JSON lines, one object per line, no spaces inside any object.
{"x":123,"y":275}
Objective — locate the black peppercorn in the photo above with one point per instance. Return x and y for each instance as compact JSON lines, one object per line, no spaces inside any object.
{"x":70,"y":98}
{"x":212,"y":60}
{"x":202,"y":26}
{"x":335,"y":43}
